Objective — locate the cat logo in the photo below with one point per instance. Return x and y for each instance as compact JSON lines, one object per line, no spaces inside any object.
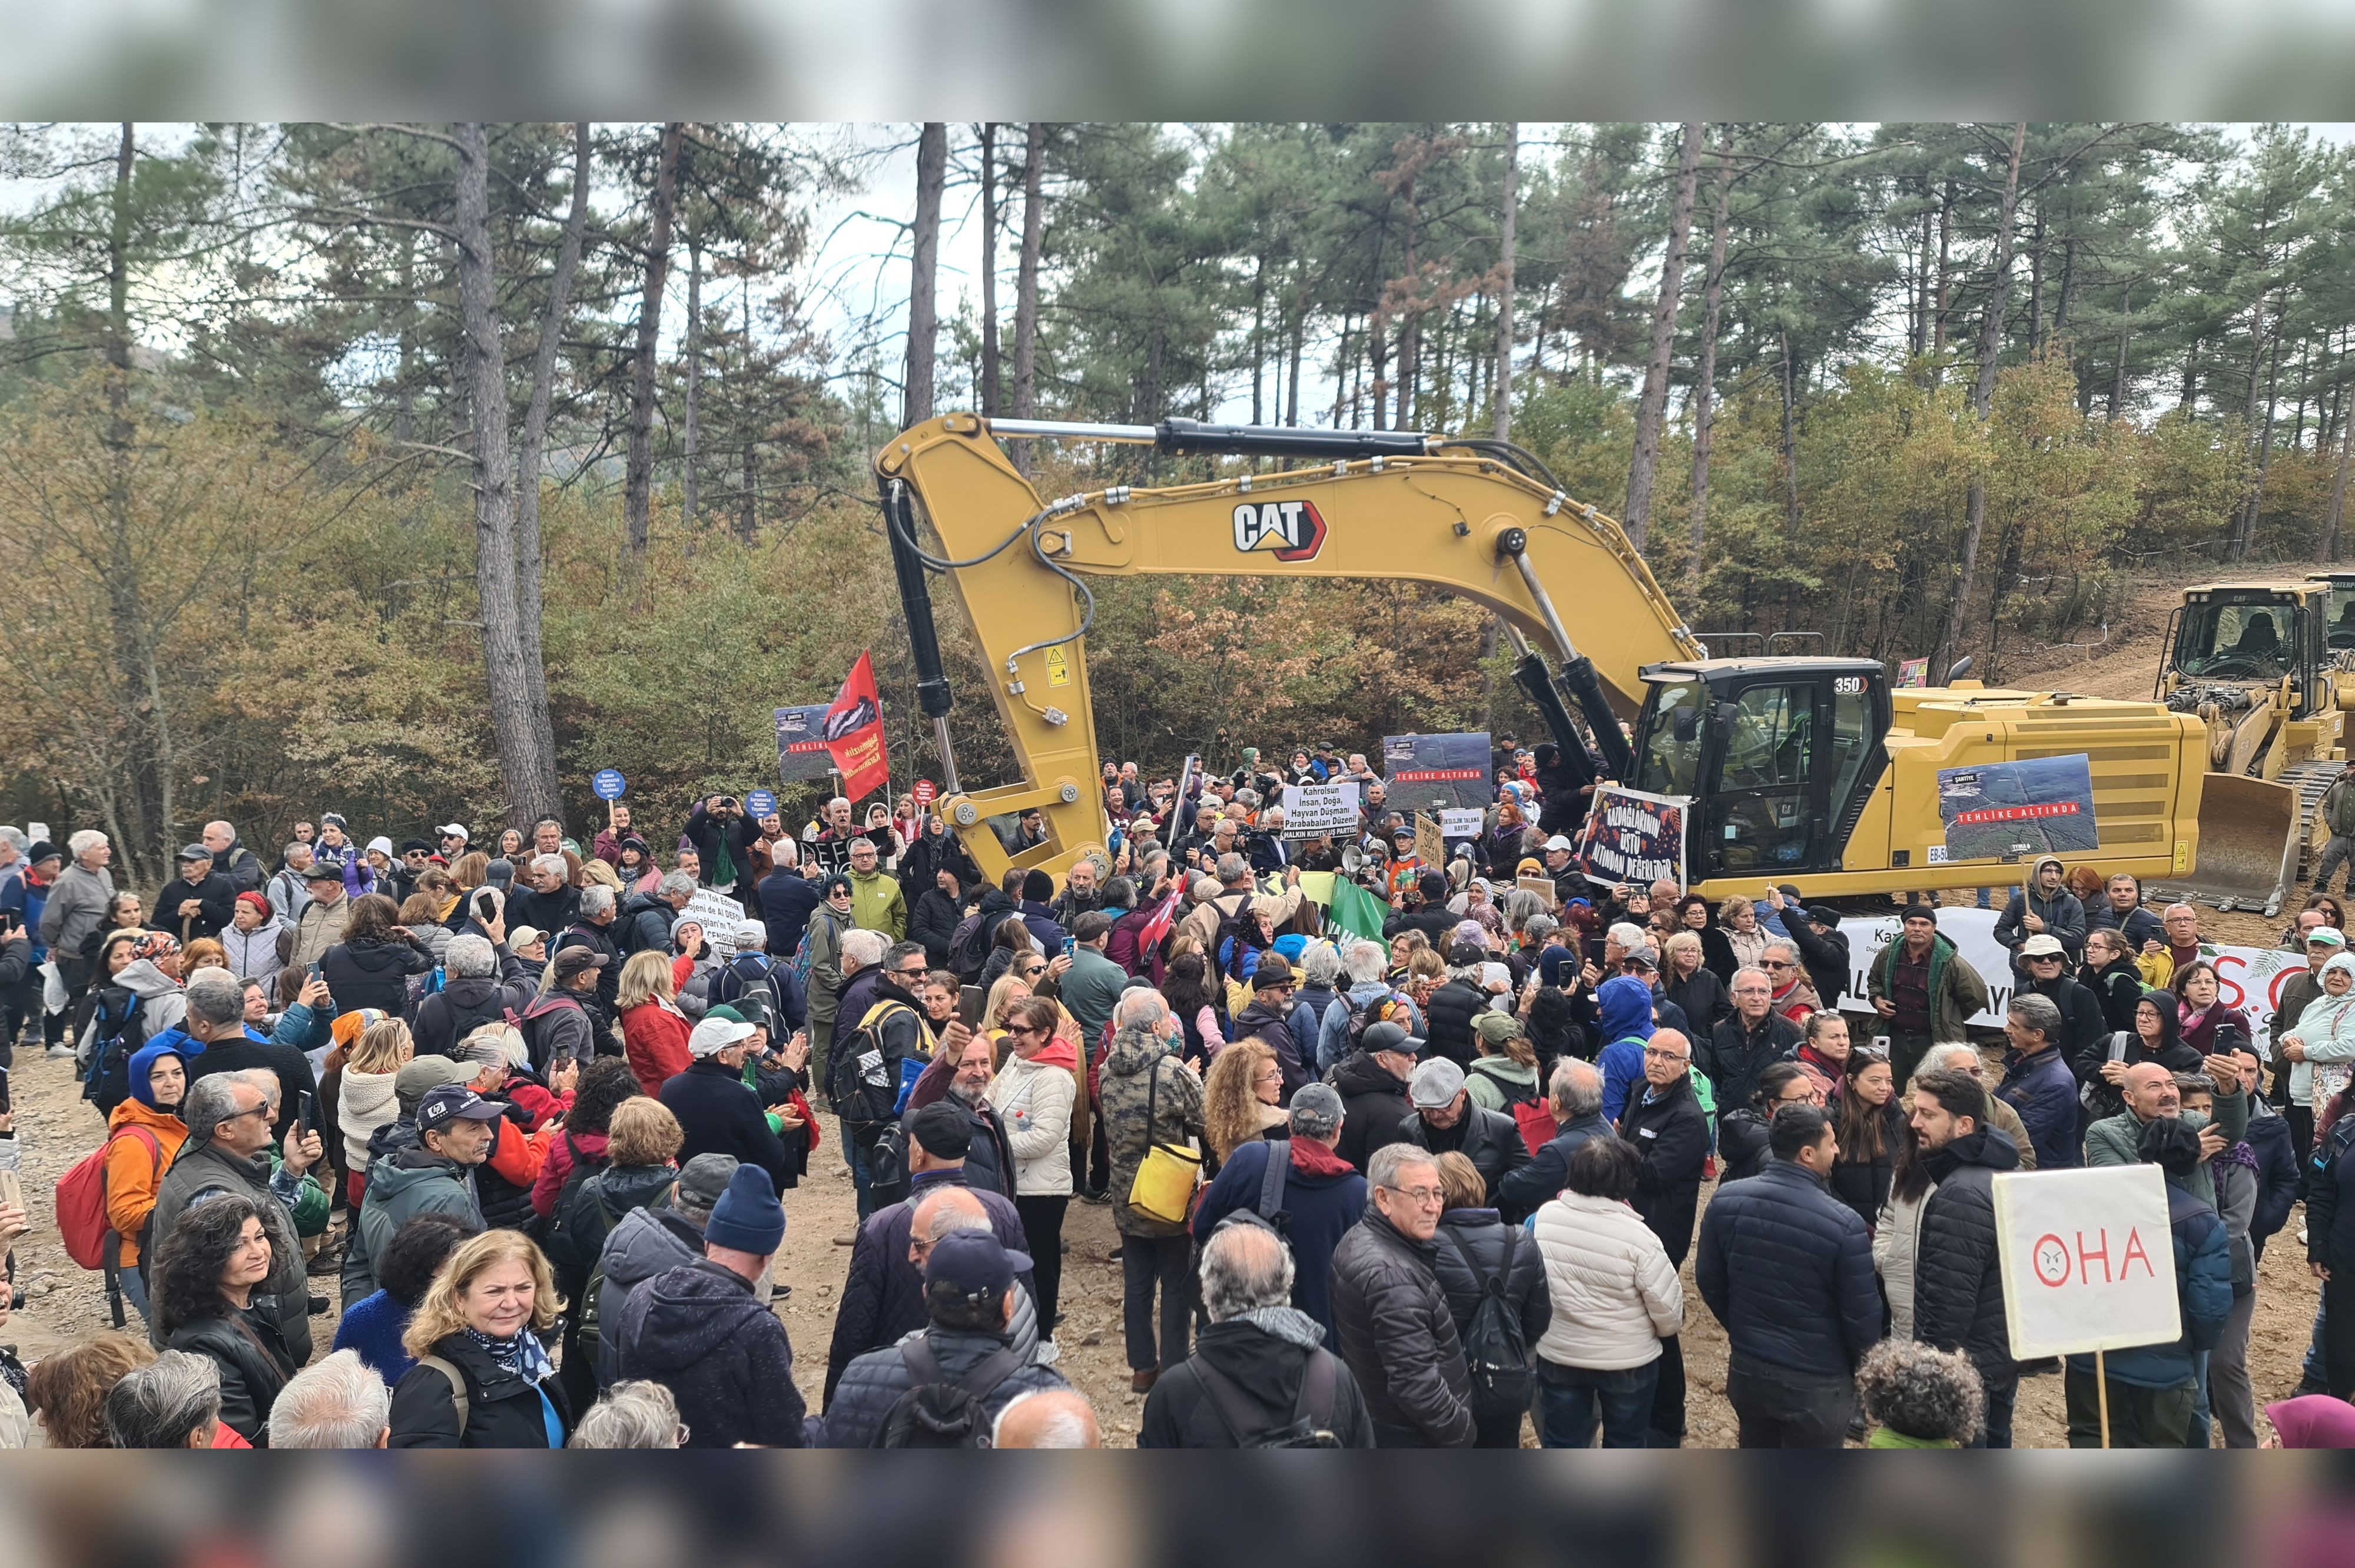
{"x":1292,"y":529}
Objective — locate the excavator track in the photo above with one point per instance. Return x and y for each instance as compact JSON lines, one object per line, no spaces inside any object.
{"x":2311,"y":781}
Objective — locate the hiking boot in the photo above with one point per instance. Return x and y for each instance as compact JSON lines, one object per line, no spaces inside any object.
{"x":1141,"y":1383}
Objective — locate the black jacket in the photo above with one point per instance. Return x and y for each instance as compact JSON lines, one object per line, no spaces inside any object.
{"x":374,"y":974}
{"x":1787,"y":1268}
{"x":1702,"y":996}
{"x":1823,"y":950}
{"x":239,"y":1051}
{"x":1672,"y":1136}
{"x":1447,"y":1021}
{"x":1491,"y":1140}
{"x":644,"y":922}
{"x":1372,"y":1102}
{"x":989,"y":1158}
{"x":1957,"y":1285}
{"x":873,"y":1383}
{"x":2084,"y":1033}
{"x":1268,"y":1365}
{"x":1742,"y":1139}
{"x":1475,"y":1244}
{"x":1399,"y":1337}
{"x":932,"y":919}
{"x":707,"y":833}
{"x":720,"y":1115}
{"x":465,"y":1004}
{"x":551,"y":913}
{"x":698,"y":1331}
{"x":1863,"y":1184}
{"x":883,"y":1296}
{"x":215,"y":894}
{"x":1735,"y":1056}
{"x":2118,"y":988}
{"x":2277,"y":1176}
{"x":602,"y":940}
{"x":253,"y":1360}
{"x":787,"y":898}
{"x":503,"y":1410}
{"x":1526,"y":1189}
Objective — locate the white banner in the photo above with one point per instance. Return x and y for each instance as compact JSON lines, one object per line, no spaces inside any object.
{"x":1461,"y":822}
{"x":2088,"y":1259}
{"x":720,"y":916}
{"x":1313,"y":811}
{"x":2249,"y":978}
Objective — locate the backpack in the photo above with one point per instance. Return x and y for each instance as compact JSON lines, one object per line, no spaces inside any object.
{"x":1496,"y":1350}
{"x":584,"y":1166}
{"x":1311,"y":1425}
{"x":82,"y":1225}
{"x":579,"y":1219}
{"x":1270,"y":1187}
{"x":859,"y":1084}
{"x":457,"y":1387}
{"x":420,"y":986}
{"x":528,"y":1024}
{"x":115,"y":1034}
{"x":803,"y":957}
{"x":969,"y":949}
{"x":939,"y":1412}
{"x":731,"y":981}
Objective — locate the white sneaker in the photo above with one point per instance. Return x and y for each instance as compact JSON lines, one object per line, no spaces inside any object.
{"x":1047,"y":1354}
{"x":60,"y":1054}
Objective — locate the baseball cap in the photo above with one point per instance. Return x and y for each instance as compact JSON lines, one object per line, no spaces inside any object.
{"x":574,"y":960}
{"x":523,"y":936}
{"x":447,"y":1103}
{"x":2042,"y":947}
{"x":416,"y":1077}
{"x":454,"y":830}
{"x":194,"y":852}
{"x":1435,"y":1084}
{"x":1557,"y":842}
{"x":712,"y":1036}
{"x":702,"y":1180}
{"x":2327,"y":936}
{"x":1316,"y":1110}
{"x":322,"y":872}
{"x":968,"y":1265}
{"x":1389,"y":1036}
{"x":1497,"y":1028}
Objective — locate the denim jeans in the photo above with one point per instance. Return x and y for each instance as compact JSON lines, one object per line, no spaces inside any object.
{"x":1782,"y":1407}
{"x":862,"y":1175}
{"x":2000,"y":1399}
{"x":2312,"y":1370}
{"x":1568,"y":1399}
{"x":134,"y":1291}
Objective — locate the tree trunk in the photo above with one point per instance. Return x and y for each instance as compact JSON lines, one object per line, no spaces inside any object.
{"x":2338,"y":493}
{"x":1026,"y":288}
{"x":1259,"y":340}
{"x":1918,"y":340}
{"x":530,"y":777}
{"x":1705,"y":374}
{"x":1790,"y":442}
{"x":1299,"y":333}
{"x":1945,"y":268}
{"x":989,"y":269}
{"x":144,"y":833}
{"x":2036,"y":283}
{"x":1501,"y":388}
{"x":2119,"y":381}
{"x":1983,"y":397}
{"x":638,"y":481}
{"x":747,"y":503}
{"x":1651,"y":410}
{"x":923,"y":323}
{"x":2245,"y":521}
{"x":2265,"y":454}
{"x":535,"y":437}
{"x":404,"y":393}
{"x":690,"y":435}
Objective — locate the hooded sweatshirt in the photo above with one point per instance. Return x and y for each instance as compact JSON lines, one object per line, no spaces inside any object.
{"x":2327,"y":1030}
{"x":1625,"y":1005}
{"x":366,"y":1105}
{"x":134,"y":1171}
{"x":697,"y":1330}
{"x":643,"y":1244}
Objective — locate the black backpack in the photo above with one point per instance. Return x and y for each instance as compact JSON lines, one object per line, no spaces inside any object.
{"x":578,"y":1219}
{"x":1514,"y":1093}
{"x":939,"y":1412}
{"x":1496,"y":1351}
{"x":860,"y":1087}
{"x":1311,"y":1425}
{"x":117,"y":1029}
{"x":1271,"y":1188}
{"x":969,"y":949}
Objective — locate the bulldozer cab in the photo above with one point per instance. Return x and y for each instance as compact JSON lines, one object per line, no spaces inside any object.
{"x":1777,"y":756}
{"x":2337,"y":608}
{"x":2241,"y":636}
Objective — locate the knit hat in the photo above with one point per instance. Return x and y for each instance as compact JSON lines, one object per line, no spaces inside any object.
{"x":943,"y":1128}
{"x":1435,"y":1084}
{"x":261,"y":905}
{"x":1530,"y":866}
{"x":714,"y":1035}
{"x":380,"y":845}
{"x":1316,"y":1110}
{"x":1038,"y":887}
{"x":346,"y":1029}
{"x":747,"y":1217}
{"x":702,"y":1180}
{"x":333,"y":819}
{"x":41,"y":849}
{"x":1920,"y":911}
{"x":1293,"y":946}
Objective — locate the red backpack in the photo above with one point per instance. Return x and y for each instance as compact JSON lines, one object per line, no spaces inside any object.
{"x":82,"y":1202}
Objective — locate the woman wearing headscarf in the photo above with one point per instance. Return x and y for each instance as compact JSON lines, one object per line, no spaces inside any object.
{"x":2322,"y":1049}
{"x":143,"y":1135}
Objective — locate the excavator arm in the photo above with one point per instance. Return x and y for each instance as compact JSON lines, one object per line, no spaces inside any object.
{"x":1475,"y":518}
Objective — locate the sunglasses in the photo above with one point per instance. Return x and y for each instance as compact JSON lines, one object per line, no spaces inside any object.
{"x":1034,"y":969}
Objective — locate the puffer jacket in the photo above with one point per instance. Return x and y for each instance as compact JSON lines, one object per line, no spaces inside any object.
{"x":873,"y":1383}
{"x":2203,"y":1288}
{"x":1399,"y":1337}
{"x":643,"y":1244}
{"x":1264,"y":1355}
{"x":250,"y":1352}
{"x":1141,"y":1072}
{"x":1033,"y":1098}
{"x":1787,"y":1268}
{"x":697,"y":1331}
{"x":465,"y":1004}
{"x":1896,"y":1247}
{"x":1957,"y":1285}
{"x":1477,"y":1242}
{"x":1616,"y":1295}
{"x":2044,"y":1092}
{"x":254,"y":955}
{"x":1491,"y":1140}
{"x":134,"y":1175}
{"x":503,"y":1410}
{"x":1449,"y":1027}
{"x":1373,"y":1106}
{"x":404,"y":1183}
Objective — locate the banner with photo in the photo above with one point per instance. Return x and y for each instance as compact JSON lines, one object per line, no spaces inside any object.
{"x":1632,"y":836}
{"x":2037,"y":806}
{"x":802,"y":754}
{"x":1424,"y":771}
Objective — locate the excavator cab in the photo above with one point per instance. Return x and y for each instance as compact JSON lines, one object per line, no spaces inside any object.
{"x":2338,"y":609}
{"x":1778,"y":756}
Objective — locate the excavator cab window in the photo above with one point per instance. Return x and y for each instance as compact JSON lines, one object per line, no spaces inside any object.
{"x":1762,"y":814}
{"x":2342,"y":615}
{"x":1668,"y":748}
{"x":2234,"y":640}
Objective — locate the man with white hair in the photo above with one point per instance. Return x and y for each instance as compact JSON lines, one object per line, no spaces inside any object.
{"x":1958,"y":1056}
{"x":1743,"y":1045}
{"x":77,"y":906}
{"x":1574,"y":1099}
{"x":1259,"y":1375}
{"x":1047,"y":1418}
{"x":478,"y":987}
{"x":338,"y":1402}
{"x":1395,"y":1330}
{"x":215,"y":1021}
{"x":541,"y":896}
{"x":1366,"y":964}
{"x":231,"y":859}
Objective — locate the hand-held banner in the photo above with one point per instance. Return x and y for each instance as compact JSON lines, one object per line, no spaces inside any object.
{"x":2088,"y":1259}
{"x":854,"y":733}
{"x":1632,"y":836}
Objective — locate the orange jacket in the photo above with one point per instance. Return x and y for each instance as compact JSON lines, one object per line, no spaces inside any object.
{"x":133,"y":1174}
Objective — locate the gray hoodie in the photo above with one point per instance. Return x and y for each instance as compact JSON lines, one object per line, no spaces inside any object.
{"x":162,"y":1004}
{"x":643,"y":1243}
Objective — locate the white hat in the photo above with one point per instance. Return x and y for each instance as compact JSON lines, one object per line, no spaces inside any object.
{"x":380,"y":845}
{"x":1557,"y":842}
{"x":523,"y":936}
{"x":713,"y":1036}
{"x":454,"y":830}
{"x":2042,"y":945}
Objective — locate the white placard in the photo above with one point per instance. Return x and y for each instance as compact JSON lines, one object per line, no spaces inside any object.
{"x":1312,"y":811}
{"x":2088,"y":1259}
{"x":721,"y":917}
{"x":1461,"y":822}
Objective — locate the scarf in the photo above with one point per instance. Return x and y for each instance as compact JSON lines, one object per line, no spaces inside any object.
{"x":1312,"y":1158}
{"x":524,"y":1355}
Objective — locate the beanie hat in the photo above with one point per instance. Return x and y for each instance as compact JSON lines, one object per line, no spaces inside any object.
{"x":748,"y":1218}
{"x":1919,"y":911}
{"x":1037,"y":888}
{"x":943,"y":1128}
{"x":1272,"y":970}
{"x":41,"y":849}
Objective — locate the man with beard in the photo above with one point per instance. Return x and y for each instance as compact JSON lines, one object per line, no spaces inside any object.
{"x":989,"y":1160}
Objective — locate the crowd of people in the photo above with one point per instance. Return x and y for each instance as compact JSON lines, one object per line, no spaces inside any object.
{"x":539,"y":1113}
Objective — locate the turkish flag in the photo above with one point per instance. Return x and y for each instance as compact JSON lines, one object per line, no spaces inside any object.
{"x":854,"y":733}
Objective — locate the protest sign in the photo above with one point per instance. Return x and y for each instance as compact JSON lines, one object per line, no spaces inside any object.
{"x":2044,"y":805}
{"x":2088,"y":1259}
{"x":1541,"y":886}
{"x":1452,"y":770}
{"x":1462,"y":823}
{"x":1633,"y":837}
{"x":759,"y":804}
{"x":925,"y":791}
{"x":608,"y":784}
{"x":1912,"y":672}
{"x":801,"y":743}
{"x":1429,"y":846}
{"x":1313,"y":811}
{"x":721,"y":917}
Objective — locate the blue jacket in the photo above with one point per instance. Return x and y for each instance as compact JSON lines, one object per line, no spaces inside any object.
{"x":1787,"y":1268}
{"x":1321,"y":1209}
{"x":20,"y":898}
{"x":2044,"y":1092}
{"x":2203,"y":1285}
{"x":373,"y":1326}
{"x":2278,"y":1175}
{"x":1625,"y":1020}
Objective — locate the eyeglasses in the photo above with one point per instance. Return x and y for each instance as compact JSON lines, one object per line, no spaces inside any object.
{"x":1808,"y":1097}
{"x":1774,"y":964}
{"x":1429,"y":1197}
{"x":1034,"y":969}
{"x":1652,"y":1055}
{"x":915,"y":973}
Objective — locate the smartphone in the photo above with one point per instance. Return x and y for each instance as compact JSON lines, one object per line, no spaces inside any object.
{"x":302,"y":1123}
{"x":315,"y":972}
{"x":12,"y":1188}
{"x":969,"y":1004}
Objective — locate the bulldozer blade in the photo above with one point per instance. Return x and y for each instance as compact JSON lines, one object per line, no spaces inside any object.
{"x":2249,"y":843}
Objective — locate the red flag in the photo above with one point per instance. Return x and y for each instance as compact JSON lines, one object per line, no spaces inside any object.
{"x":854,"y":733}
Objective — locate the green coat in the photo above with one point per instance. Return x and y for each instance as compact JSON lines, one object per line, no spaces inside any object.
{"x":1955,"y":990}
{"x":2115,"y":1140}
{"x":877,"y":904}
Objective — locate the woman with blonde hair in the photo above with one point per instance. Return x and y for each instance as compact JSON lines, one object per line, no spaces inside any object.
{"x":476,"y":1335}
{"x":1004,"y":992}
{"x":654,"y":1031}
{"x":473,"y":870}
{"x":597,"y":873}
{"x":365,"y":1102}
{"x":1239,"y":1099}
{"x":1746,"y":939}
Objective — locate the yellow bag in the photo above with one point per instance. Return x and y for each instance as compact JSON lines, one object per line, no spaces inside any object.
{"x":1164,"y":1184}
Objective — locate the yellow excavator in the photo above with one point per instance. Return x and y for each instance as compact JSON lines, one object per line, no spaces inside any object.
{"x":1808,"y":768}
{"x":2268,"y":668}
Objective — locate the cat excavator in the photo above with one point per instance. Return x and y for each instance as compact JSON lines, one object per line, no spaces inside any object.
{"x":1797,"y":768}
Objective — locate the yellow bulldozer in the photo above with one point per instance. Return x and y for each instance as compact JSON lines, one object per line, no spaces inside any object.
{"x":1810,"y":769}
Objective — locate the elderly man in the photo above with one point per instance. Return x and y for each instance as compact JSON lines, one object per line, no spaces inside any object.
{"x":232,"y":860}
{"x":1958,"y":1282}
{"x":1445,"y":1119}
{"x":1958,"y":1056}
{"x":215,"y":1022}
{"x":542,"y":896}
{"x":289,"y":887}
{"x":1259,"y":1375}
{"x":338,"y":1402}
{"x":877,"y":901}
{"x":433,"y":1176}
{"x":1313,"y":1197}
{"x":2158,"y":960}
{"x":77,"y":906}
{"x":2084,"y":1033}
{"x":477,"y":989}
{"x":1574,"y":1100}
{"x":720,"y":1114}
{"x":1670,"y":1132}
{"x":882,"y":1297}
{"x":228,"y":1118}
{"x":989,"y":1158}
{"x":1742,"y":1046}
{"x":1925,"y":990}
{"x":2038,"y":1083}
{"x":323,"y":920}
{"x":1396,"y":1331}
{"x":2152,"y":1095}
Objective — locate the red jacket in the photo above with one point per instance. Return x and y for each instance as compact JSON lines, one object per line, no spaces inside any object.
{"x":556,"y":1162}
{"x":654,"y":1037}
